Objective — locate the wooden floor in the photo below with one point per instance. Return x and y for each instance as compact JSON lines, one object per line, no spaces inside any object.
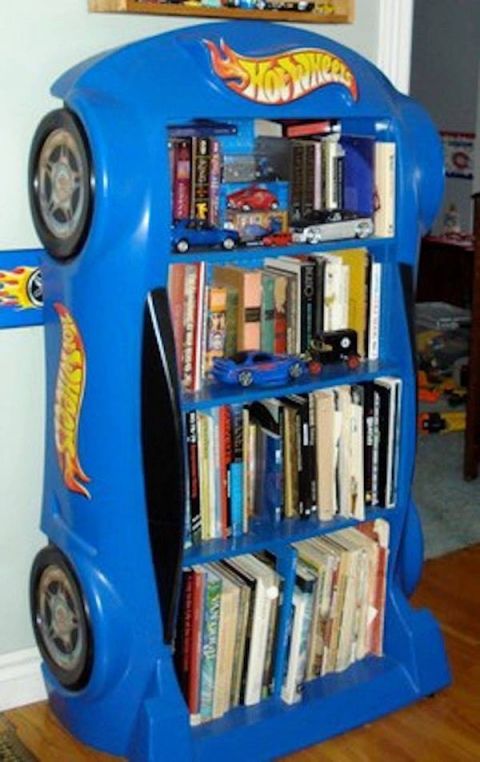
{"x":440,"y":729}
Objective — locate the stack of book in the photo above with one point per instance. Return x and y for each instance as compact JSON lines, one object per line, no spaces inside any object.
{"x":333,"y":452}
{"x":278,"y":307}
{"x":237,"y":634}
{"x":225,"y":643}
{"x":338,"y":603}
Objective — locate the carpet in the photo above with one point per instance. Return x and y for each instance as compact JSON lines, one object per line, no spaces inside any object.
{"x":11,"y":748}
{"x":449,"y":507}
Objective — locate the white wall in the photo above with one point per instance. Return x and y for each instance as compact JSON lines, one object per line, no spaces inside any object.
{"x":39,"y":40}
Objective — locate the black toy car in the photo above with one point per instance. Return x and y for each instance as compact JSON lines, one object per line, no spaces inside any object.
{"x":334,"y":346}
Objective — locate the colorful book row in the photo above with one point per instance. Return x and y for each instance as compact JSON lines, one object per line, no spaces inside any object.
{"x":244,"y":634}
{"x":330,"y":453}
{"x":280,"y":307}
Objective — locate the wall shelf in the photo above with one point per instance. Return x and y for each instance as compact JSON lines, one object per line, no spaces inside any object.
{"x":335,"y":12}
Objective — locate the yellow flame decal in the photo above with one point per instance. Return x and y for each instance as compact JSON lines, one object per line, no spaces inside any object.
{"x":279,"y":79}
{"x":15,"y":288}
{"x":68,"y":402}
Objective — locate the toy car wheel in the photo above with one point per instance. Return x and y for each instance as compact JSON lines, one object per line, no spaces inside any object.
{"x":245,"y":378}
{"x":313,"y":237}
{"x":182,"y":246}
{"x":246,"y":207}
{"x":353,"y":362}
{"x":274,"y":205}
{"x":296,"y":370}
{"x":60,"y":619}
{"x":61,"y":183}
{"x":229,"y":243}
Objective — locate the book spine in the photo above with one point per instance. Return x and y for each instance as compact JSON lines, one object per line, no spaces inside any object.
{"x":374,"y":308}
{"x":176,"y":286}
{"x":268,"y":313}
{"x":368,"y":439}
{"x":199,"y":340}
{"x":252,"y":307}
{"x":201,"y":179}
{"x":198,"y":601}
{"x":211,"y":620}
{"x":216,"y":325}
{"x":181,"y":178}
{"x":189,"y":312}
{"x":237,"y":472}
{"x":215,"y":178}
{"x":307,"y":304}
{"x":193,"y":476}
{"x":225,"y":456}
{"x":231,"y":322}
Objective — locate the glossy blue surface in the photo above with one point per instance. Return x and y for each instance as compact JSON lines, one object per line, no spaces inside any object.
{"x":125,"y":99}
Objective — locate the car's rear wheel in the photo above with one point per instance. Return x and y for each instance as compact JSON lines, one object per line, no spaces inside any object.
{"x":228,"y":243}
{"x":182,"y":246}
{"x":274,"y":205}
{"x":245,"y":378}
{"x":313,"y":236}
{"x":60,"y":618}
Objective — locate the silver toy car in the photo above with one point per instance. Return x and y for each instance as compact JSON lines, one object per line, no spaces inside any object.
{"x":331,"y":225}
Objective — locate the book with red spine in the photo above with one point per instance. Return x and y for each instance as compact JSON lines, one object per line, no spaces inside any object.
{"x":181,"y":185}
{"x":225,"y":453}
{"x":198,"y":590}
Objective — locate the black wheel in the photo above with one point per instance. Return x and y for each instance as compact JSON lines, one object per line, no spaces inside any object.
{"x":61,"y":184}
{"x":60,"y":619}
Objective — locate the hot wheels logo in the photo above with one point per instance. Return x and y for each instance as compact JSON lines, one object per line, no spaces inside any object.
{"x":68,"y":402}
{"x":279,"y":79}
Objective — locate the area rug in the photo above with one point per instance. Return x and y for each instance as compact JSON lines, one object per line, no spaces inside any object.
{"x":449,"y":507}
{"x":11,"y":748}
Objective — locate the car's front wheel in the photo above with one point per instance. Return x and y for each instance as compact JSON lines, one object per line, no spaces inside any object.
{"x":60,"y":618}
{"x":296,"y":370}
{"x":182,"y":246}
{"x":313,"y":236}
{"x":229,"y":243}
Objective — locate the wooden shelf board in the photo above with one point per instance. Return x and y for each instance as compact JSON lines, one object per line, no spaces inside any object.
{"x":173,"y":9}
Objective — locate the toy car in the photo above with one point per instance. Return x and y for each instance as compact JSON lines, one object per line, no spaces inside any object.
{"x":253,"y":197}
{"x":330,"y":225}
{"x":187,"y":233}
{"x":277,"y":239}
{"x":257,"y":367}
{"x":334,"y":346}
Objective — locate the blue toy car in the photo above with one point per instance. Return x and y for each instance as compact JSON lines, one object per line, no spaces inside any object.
{"x":256,"y":367}
{"x":192,"y":232}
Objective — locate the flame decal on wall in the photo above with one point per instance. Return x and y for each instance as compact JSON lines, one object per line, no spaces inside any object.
{"x":278,"y":79}
{"x":68,"y":402}
{"x":20,"y":288}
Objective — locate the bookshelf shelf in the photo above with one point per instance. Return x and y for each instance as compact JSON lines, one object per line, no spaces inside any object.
{"x":132,"y":458}
{"x":219,"y":394}
{"x":263,"y":537}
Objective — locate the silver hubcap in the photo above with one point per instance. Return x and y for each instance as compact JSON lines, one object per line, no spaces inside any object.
{"x":61,"y":183}
{"x":58,"y":618}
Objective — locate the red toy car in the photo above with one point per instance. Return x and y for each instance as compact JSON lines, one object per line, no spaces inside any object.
{"x":253,"y":197}
{"x":277,"y":239}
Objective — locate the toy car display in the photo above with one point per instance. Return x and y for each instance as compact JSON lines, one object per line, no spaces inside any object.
{"x":334,"y":346}
{"x":193,"y":232}
{"x":331,"y":225}
{"x":253,"y":197}
{"x":257,"y":367}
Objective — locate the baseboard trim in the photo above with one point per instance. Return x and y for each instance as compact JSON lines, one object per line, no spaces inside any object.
{"x":21,"y":679}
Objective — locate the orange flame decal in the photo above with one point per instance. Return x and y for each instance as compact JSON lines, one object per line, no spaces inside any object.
{"x":68,"y":402}
{"x":278,"y":79}
{"x":19,"y":288}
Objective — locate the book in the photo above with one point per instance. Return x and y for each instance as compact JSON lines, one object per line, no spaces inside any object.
{"x":358,"y":173}
{"x":357,"y":262}
{"x":216,"y":329}
{"x":200,"y":183}
{"x":236,"y":471}
{"x":385,"y":187}
{"x":208,"y":661}
{"x":227,"y":631}
{"x":302,"y":606}
{"x":193,"y":476}
{"x":247,"y":283}
{"x":181,"y":180}
{"x":375,"y":296}
{"x":268,"y":312}
{"x":196,"y":640}
{"x":176,"y":290}
{"x":268,"y":500}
